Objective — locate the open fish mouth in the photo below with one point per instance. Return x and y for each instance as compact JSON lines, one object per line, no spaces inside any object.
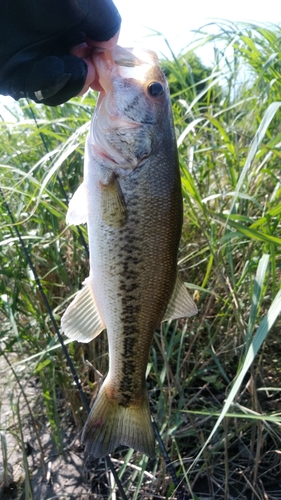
{"x":132,"y":56}
{"x":127,"y":63}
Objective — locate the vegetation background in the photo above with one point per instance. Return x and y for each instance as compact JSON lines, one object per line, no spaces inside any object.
{"x":215,"y":380}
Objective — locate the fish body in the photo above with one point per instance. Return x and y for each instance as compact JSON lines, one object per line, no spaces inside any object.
{"x":132,"y":203}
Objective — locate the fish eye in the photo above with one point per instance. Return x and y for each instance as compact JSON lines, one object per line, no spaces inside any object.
{"x":155,"y":89}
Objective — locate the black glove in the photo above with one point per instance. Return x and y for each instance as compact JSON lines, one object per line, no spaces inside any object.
{"x":35,"y":38}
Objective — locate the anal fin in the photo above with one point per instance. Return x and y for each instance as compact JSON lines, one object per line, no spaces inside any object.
{"x":81,"y":320}
{"x":181,"y":304}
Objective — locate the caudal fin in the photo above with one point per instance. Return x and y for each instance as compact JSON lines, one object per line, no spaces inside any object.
{"x":110,"y":425}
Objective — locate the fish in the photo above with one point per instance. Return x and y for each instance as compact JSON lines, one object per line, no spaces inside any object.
{"x":131,"y":200}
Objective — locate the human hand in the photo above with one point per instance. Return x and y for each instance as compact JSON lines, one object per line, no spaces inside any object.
{"x":86,"y":51}
{"x":46,"y":46}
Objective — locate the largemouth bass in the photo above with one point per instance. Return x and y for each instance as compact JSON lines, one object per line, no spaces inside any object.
{"x":131,"y":200}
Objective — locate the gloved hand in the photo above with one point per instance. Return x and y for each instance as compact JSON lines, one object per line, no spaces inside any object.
{"x":35,"y":41}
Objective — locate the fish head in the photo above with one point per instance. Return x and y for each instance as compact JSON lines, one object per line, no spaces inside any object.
{"x":133,"y":106}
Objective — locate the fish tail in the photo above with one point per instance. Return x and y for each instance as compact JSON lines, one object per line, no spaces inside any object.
{"x":111,"y":424}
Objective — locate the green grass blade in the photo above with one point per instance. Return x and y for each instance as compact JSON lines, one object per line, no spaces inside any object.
{"x":260,"y":335}
{"x":259,"y":135}
{"x":257,"y":295}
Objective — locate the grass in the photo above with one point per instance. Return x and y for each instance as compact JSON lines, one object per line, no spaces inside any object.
{"x":214,"y":381}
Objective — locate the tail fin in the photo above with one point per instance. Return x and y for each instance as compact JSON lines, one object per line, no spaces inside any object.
{"x":110,"y":425}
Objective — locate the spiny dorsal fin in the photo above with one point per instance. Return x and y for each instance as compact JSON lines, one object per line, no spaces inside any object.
{"x":78,"y":211}
{"x":81,"y":320}
{"x":181,"y":304}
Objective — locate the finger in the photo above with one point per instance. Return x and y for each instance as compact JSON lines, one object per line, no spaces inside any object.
{"x":86,"y":53}
{"x":92,"y":79}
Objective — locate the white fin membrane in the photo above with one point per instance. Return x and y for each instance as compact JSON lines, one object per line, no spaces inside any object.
{"x":78,"y":210}
{"x":81,"y":320}
{"x":181,"y":304}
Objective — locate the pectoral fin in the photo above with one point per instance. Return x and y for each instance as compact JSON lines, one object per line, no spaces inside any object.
{"x":78,"y":211}
{"x":181,"y":304}
{"x":113,"y":208}
{"x":81,"y":320}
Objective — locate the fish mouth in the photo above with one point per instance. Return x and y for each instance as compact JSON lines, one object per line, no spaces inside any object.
{"x":131,"y":56}
{"x":124,"y":62}
{"x":124,"y":65}
{"x":114,"y":67}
